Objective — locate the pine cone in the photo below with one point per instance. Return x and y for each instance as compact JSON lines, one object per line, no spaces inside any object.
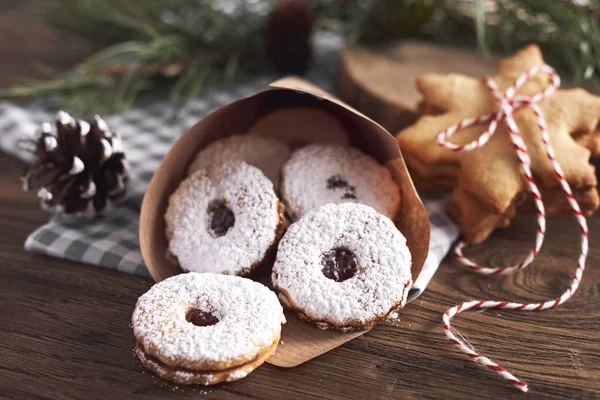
{"x":287,"y":36}
{"x":81,"y":170}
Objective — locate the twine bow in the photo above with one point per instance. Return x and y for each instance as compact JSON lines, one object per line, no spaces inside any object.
{"x":508,"y":102}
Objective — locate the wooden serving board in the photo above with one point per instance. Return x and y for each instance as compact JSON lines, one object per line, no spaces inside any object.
{"x":381,"y":84}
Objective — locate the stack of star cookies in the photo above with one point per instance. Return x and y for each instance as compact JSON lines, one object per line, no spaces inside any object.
{"x":487,"y":183}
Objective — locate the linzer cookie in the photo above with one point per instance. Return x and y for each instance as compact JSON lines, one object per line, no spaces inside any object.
{"x":206,"y":328}
{"x":487,"y":182}
{"x":225,"y":220}
{"x":319,"y":174}
{"x":300,"y":126}
{"x":343,"y":267}
{"x":266,"y":154}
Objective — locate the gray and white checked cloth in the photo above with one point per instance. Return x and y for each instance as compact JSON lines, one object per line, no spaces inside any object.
{"x":112,"y":241}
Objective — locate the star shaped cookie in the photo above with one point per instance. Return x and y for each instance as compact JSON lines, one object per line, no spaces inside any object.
{"x":488,"y":183}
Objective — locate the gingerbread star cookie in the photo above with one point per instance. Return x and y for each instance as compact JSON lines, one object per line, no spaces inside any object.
{"x":488,"y":183}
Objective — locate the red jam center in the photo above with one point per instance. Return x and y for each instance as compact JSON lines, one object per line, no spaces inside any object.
{"x":338,"y":182}
{"x":339,"y":264}
{"x":200,"y":318}
{"x":221,"y":218}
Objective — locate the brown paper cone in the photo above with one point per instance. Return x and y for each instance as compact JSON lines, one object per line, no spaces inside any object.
{"x":300,"y":341}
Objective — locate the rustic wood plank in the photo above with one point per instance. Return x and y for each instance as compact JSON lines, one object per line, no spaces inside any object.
{"x":26,"y":43}
{"x":64,"y":329}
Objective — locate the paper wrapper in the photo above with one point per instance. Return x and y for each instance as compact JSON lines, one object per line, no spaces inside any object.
{"x":300,"y":341}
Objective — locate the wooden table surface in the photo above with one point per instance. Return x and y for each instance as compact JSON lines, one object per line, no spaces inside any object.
{"x":65,"y":327}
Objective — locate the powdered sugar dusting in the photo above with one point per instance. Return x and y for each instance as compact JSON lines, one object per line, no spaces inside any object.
{"x":248,"y":193}
{"x":384,"y":263}
{"x":239,"y":374}
{"x":249,"y":314}
{"x":321,"y":174}
{"x":266,"y":154}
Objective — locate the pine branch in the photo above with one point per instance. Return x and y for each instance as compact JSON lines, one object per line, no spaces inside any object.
{"x":149,"y":44}
{"x":185,"y":46}
{"x":569,"y":34}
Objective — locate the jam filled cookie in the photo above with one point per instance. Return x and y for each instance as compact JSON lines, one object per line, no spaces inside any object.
{"x":320,"y":174}
{"x":206,"y":328}
{"x":225,"y":220}
{"x":299,"y":126}
{"x":266,"y":154}
{"x":353,"y":273}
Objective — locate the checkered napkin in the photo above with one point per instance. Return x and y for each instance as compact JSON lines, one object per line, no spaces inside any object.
{"x":147,"y":133}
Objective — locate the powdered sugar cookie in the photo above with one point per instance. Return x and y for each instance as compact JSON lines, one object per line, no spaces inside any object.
{"x":320,"y":174}
{"x":224,"y":220}
{"x":266,"y":154}
{"x":343,"y":267}
{"x":299,"y":126}
{"x":206,"y":328}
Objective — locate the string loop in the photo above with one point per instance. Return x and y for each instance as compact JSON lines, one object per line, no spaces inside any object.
{"x":508,"y":102}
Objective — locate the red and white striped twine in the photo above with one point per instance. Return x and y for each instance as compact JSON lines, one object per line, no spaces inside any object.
{"x":507,"y":103}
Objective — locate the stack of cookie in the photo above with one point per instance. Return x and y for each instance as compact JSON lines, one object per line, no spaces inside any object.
{"x":487,"y":184}
{"x":292,"y":186}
